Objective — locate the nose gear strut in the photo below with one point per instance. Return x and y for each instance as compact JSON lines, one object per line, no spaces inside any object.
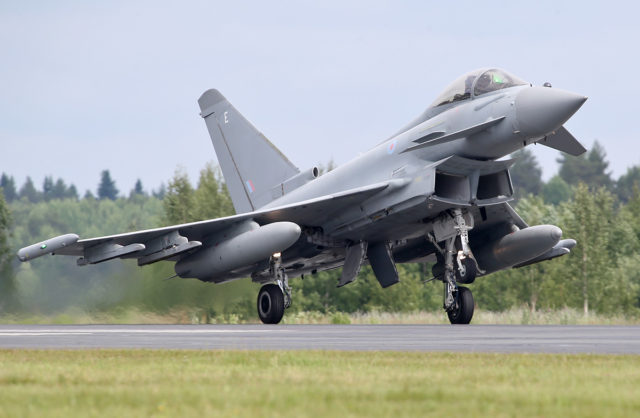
{"x":453,"y":229}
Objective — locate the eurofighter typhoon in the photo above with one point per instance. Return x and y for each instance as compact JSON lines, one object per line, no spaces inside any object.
{"x":436,"y":191}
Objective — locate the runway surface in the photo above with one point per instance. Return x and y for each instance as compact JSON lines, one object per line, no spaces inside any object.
{"x":472,"y":338}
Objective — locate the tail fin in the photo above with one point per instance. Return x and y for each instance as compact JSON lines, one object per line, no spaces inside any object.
{"x":252,"y":166}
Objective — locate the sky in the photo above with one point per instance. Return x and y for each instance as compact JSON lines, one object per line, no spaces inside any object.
{"x":88,"y":86}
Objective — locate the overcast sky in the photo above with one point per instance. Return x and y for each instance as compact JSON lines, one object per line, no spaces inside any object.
{"x":87,"y":86}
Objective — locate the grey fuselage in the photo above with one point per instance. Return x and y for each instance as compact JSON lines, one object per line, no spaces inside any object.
{"x":402,"y":213}
{"x":381,"y":162}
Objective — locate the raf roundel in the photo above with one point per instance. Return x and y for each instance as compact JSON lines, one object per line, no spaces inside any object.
{"x":391,"y":147}
{"x":250,"y":186}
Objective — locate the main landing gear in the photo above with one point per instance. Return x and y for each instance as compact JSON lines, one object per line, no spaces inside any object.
{"x":456,"y":265}
{"x":274,"y":298}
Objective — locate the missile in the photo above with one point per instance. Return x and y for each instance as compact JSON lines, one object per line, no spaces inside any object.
{"x":518,"y":247}
{"x":46,"y":247}
{"x":244,"y":249}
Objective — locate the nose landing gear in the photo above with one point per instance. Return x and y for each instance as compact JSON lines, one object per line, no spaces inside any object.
{"x":462,"y":310}
{"x":454,"y":231}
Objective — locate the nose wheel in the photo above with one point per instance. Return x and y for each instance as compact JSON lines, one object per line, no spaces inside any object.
{"x":462,"y":311}
{"x":457,"y":265}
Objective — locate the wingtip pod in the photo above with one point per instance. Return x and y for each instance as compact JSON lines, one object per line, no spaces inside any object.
{"x":46,"y":247}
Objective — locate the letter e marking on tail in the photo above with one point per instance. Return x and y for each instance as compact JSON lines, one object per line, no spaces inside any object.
{"x":226,"y":117}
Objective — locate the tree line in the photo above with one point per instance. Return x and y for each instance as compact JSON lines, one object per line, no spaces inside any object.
{"x":591,"y":169}
{"x":58,"y":189}
{"x":601,"y":274}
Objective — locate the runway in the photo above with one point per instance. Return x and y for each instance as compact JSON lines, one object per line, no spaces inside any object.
{"x":471,"y":338}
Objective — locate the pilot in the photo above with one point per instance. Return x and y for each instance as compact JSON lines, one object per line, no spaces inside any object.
{"x":483,"y":85}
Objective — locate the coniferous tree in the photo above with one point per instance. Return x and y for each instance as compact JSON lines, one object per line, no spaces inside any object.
{"x":526,"y":174}
{"x":138,"y":189}
{"x":28,"y":191}
{"x":59,"y":190}
{"x":8,"y":186}
{"x":47,"y":188}
{"x":71,"y":193}
{"x":589,"y":168}
{"x":107,"y":187}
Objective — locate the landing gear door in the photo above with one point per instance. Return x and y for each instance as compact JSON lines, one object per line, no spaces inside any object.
{"x":382,"y":264}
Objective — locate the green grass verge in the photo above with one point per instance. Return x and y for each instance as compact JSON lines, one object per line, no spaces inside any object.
{"x":314,"y":383}
{"x":187,"y":315}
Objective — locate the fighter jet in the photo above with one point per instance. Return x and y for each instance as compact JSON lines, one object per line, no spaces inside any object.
{"x":438,"y":190}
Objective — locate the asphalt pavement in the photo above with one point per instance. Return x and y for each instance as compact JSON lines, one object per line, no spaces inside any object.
{"x":462,"y":338}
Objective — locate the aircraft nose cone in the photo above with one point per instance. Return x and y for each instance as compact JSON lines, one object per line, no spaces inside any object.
{"x":541,"y":110}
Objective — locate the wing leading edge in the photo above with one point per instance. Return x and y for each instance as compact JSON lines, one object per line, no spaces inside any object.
{"x":165,"y":243}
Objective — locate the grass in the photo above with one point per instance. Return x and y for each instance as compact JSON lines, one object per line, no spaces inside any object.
{"x":314,"y":383}
{"x":516,"y":316}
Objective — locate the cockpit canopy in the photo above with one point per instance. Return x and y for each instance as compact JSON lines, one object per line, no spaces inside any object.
{"x":477,"y":82}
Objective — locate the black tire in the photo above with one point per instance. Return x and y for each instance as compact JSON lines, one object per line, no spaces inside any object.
{"x":470,"y":273}
{"x":270,"y":304}
{"x":463,"y":312}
